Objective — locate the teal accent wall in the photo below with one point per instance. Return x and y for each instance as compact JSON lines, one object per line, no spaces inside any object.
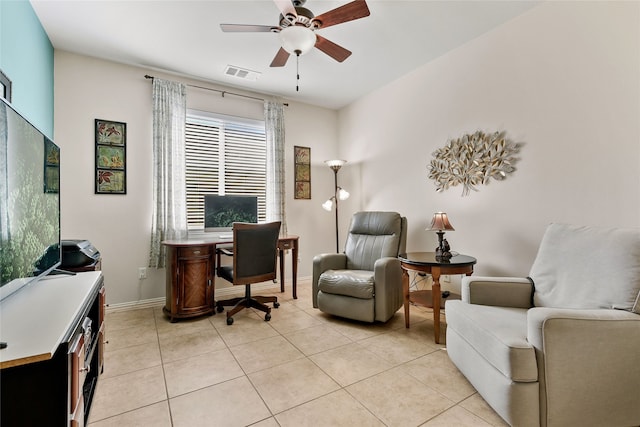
{"x":26,"y":57}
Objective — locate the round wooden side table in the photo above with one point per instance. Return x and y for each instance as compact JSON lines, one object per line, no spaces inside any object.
{"x":427,"y":262}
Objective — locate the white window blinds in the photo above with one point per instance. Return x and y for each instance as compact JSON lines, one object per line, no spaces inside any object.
{"x":223,"y":155}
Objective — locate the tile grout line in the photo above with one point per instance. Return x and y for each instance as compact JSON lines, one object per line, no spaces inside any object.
{"x":164,"y":373}
{"x":349,"y":334}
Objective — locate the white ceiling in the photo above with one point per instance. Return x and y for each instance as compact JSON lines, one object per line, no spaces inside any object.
{"x":184,"y":37}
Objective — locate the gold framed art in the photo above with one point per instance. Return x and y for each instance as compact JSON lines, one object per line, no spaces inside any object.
{"x":302,"y":172}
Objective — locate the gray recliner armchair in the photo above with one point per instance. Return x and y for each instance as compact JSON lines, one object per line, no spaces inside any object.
{"x":561,"y":347}
{"x":365,"y":282}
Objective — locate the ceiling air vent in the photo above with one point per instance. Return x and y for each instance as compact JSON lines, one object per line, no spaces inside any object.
{"x":241,"y":73}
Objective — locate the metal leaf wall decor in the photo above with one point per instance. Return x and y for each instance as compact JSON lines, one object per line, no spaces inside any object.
{"x":472,"y":160}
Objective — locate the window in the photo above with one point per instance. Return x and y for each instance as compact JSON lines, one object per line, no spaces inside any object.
{"x":223,"y":155}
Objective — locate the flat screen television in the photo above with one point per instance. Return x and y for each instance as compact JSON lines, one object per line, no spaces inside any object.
{"x":220,"y":212}
{"x":29,"y":202}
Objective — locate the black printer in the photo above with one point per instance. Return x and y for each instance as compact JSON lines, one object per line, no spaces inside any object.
{"x":78,"y":253}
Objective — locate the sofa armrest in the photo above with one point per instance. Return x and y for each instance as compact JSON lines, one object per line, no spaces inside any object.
{"x":547,"y":324}
{"x":322,"y":263}
{"x":514,"y":292}
{"x":579,"y":351}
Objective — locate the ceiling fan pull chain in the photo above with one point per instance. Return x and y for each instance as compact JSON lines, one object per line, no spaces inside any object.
{"x":297,"y":71}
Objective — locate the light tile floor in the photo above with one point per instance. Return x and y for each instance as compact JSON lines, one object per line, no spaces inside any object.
{"x":301,"y":368}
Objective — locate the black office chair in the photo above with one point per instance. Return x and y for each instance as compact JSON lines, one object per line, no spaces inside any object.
{"x":255,"y":250}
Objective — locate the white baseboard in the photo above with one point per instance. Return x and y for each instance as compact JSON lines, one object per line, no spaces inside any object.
{"x":136,"y":305}
{"x":227,"y":291}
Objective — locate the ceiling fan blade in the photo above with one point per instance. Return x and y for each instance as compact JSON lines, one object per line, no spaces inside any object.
{"x":245,"y":28}
{"x":280,"y":59}
{"x":330,"y":48}
{"x":355,"y":10}
{"x":286,"y":7}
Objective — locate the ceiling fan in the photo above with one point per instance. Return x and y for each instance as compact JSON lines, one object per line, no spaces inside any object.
{"x":297,"y":26}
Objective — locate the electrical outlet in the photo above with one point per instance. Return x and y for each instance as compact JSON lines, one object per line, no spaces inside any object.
{"x":446,"y":278}
{"x":142,"y":273}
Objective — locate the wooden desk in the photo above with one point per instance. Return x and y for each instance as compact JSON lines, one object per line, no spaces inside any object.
{"x":426,"y":262}
{"x":191,"y":270}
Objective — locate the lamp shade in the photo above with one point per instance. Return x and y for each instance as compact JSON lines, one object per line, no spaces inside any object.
{"x":335,"y":163}
{"x":440,"y":222}
{"x":343,"y":194}
{"x":297,"y":39}
{"x":328,"y":205}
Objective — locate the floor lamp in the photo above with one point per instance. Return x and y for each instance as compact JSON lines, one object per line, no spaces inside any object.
{"x":338,"y":194}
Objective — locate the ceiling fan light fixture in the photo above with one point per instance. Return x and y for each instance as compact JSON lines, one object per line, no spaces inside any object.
{"x":297,"y":39}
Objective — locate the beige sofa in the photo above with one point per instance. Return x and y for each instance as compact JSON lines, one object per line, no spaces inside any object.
{"x":561,"y":347}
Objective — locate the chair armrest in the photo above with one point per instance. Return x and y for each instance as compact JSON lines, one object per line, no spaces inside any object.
{"x":386,"y":270}
{"x":322,"y":263}
{"x":226,"y":251}
{"x":514,"y":292}
{"x":387,"y":277}
{"x":222,"y":250}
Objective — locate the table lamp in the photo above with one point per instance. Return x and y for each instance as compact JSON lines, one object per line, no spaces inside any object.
{"x":440,"y":223}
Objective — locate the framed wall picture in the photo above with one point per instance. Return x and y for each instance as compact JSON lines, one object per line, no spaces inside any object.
{"x":51,"y":167}
{"x":302,"y":172}
{"x":111,"y":156}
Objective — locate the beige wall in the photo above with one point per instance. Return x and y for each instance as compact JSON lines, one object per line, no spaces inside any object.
{"x":563,"y":79}
{"x":119,"y":225}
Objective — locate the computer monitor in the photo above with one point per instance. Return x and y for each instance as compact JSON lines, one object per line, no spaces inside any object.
{"x":220,"y":212}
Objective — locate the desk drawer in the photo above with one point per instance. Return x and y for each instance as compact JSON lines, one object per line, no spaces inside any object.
{"x":285,"y":244}
{"x":194,"y":251}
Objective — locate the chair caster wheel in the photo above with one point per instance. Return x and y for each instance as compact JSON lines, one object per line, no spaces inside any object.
{"x":276,"y":304}
{"x":219,"y":309}
{"x":267,"y":317}
{"x":229,"y":320}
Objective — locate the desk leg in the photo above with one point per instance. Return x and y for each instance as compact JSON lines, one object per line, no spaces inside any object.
{"x":294,"y":269}
{"x":435,"y":299}
{"x":281,"y":256}
{"x":214,"y":273}
{"x":218,"y":259}
{"x":405,"y":293}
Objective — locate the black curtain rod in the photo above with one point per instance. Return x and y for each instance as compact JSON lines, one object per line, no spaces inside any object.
{"x":223,"y":92}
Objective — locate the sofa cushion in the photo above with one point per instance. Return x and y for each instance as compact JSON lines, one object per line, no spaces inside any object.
{"x":588,"y":267}
{"x":351,"y":308}
{"x":498,"y":334}
{"x":352,"y":283}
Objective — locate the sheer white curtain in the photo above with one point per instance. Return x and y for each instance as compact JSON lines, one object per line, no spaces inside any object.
{"x":274,"y":124}
{"x":169,"y":219}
